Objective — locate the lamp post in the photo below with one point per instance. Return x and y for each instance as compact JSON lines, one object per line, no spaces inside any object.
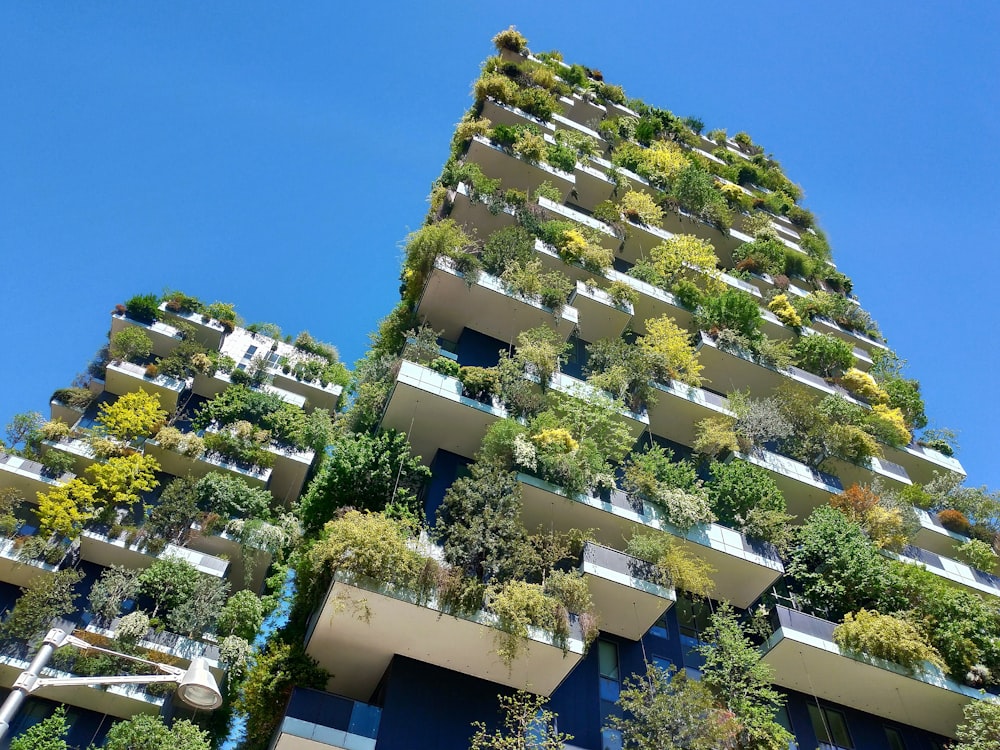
{"x":196,"y":685}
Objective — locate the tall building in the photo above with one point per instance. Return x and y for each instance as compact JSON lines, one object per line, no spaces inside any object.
{"x":596,"y":272}
{"x":627,"y":400}
{"x":176,"y":455}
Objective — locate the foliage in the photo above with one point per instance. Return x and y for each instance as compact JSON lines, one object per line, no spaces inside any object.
{"x":231,"y":497}
{"x":505,"y":247}
{"x":682,"y":257}
{"x":732,"y":309}
{"x":527,"y":280}
{"x":954,"y":520}
{"x":905,"y":395}
{"x":78,"y":397}
{"x":981,"y":727}
{"x":784,"y":311}
{"x":527,"y":725}
{"x":835,"y":569}
{"x":131,"y":415}
{"x":276,"y":670}
{"x":715,"y":436}
{"x":423,"y":247}
{"x":479,"y":526}
{"x":48,"y":734}
{"x":169,"y":582}
{"x":56,"y":462}
{"x":886,"y":637}
{"x":198,"y":612}
{"x":737,"y":676}
{"x":624,"y":370}
{"x":669,"y":349}
{"x":363,"y":471}
{"x":978,"y":554}
{"x":110,"y":591}
{"x":824,"y":354}
{"x":120,"y":480}
{"x":132,"y":627}
{"x":885,"y":525}
{"x":863,"y":385}
{"x":519,"y":606}
{"x":145,"y":732}
{"x":242,"y":615}
{"x":235,"y":654}
{"x":143,"y":308}
{"x":675,"y":566}
{"x":888,"y":425}
{"x":43,"y":599}
{"x":131,"y":344}
{"x":63,"y":509}
{"x":737,"y":487}
{"x":540,"y":351}
{"x":366,"y":544}
{"x":666,"y":711}
{"x":186,"y":443}
{"x":640,"y":207}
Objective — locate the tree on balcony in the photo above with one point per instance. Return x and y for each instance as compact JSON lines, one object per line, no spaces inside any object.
{"x":143,"y":732}
{"x":131,"y":415}
{"x":527,"y":725}
{"x":48,"y":734}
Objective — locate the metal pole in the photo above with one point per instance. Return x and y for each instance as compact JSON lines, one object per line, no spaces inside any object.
{"x":23,"y":684}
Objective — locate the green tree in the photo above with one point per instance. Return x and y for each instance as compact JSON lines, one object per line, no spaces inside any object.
{"x":171,"y":517}
{"x":198,"y":612}
{"x":42,"y":600}
{"x":836,"y":569}
{"x":980,"y":729}
{"x":49,"y":734}
{"x":130,"y":344}
{"x":135,"y":414}
{"x":737,"y":676}
{"x":121,"y":479}
{"x":63,"y":509}
{"x":527,"y":725}
{"x":277,"y":669}
{"x":231,"y":497}
{"x":144,"y":732}
{"x":732,"y":309}
{"x":363,"y":471}
{"x":739,"y":491}
{"x":824,"y":354}
{"x":22,"y":430}
{"x":110,"y":591}
{"x":242,"y":615}
{"x":479,"y":523}
{"x":168,"y":582}
{"x":666,"y":711}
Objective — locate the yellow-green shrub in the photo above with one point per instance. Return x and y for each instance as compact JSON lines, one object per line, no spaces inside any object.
{"x":886,"y":637}
{"x":784,"y":311}
{"x":862,"y":384}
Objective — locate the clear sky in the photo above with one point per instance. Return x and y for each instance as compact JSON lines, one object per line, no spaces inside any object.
{"x":274,"y":155}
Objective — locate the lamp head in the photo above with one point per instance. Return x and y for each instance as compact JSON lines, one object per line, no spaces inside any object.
{"x":198,"y":687}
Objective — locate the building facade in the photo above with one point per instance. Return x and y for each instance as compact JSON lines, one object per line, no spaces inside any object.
{"x":565,"y":209}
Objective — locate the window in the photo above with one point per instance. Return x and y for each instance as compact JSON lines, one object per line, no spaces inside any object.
{"x":692,"y":618}
{"x":610,"y":687}
{"x":830,"y":726}
{"x":781,"y":716}
{"x":895,"y":738}
{"x":660,"y":629}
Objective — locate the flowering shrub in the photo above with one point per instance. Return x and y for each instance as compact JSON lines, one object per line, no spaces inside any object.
{"x":783,"y":309}
{"x":558,"y":438}
{"x":862,"y":384}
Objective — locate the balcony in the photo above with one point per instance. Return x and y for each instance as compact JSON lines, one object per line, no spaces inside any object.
{"x":97,"y":547}
{"x":178,"y":647}
{"x":164,"y":336}
{"x":858,"y":340}
{"x":734,"y":369}
{"x":515,"y":172}
{"x":600,"y":317}
{"x":207,"y":331}
{"x":679,"y":407}
{"x":635,"y":422}
{"x":623,"y":591}
{"x":653,"y":302}
{"x":450,"y":302}
{"x":921,"y":464}
{"x":431,"y":410}
{"x":953,"y":571}
{"x":804,"y":657}
{"x":505,"y":114}
{"x":582,"y":111}
{"x":27,"y":477}
{"x":934,"y":537}
{"x":242,"y":558}
{"x":315,"y":717}
{"x":744,"y":569}
{"x":125,"y":377}
{"x":178,"y":465}
{"x":18,"y":571}
{"x":804,"y":488}
{"x":851,"y":473}
{"x":358,"y":650}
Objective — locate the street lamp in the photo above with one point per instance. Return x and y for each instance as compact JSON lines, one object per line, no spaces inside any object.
{"x":196,"y":685}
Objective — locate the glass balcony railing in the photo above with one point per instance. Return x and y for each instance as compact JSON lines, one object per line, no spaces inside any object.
{"x":324,"y":717}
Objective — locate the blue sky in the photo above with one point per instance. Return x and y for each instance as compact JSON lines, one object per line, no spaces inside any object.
{"x":275,"y":155}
